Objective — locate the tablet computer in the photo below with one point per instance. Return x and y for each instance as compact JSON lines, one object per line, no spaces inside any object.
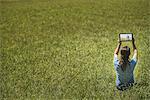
{"x":125,"y":37}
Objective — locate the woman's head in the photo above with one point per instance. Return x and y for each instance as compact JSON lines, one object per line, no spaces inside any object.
{"x":124,"y":59}
{"x":125,"y":52}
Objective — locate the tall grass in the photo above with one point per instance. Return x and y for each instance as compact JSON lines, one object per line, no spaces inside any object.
{"x":63,"y":49}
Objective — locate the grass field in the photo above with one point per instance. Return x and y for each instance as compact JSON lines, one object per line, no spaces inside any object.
{"x":63,"y":49}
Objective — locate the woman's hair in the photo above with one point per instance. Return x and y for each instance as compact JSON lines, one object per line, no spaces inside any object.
{"x":124,"y":59}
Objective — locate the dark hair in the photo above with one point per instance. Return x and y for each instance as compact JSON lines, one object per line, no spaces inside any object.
{"x":124,"y":59}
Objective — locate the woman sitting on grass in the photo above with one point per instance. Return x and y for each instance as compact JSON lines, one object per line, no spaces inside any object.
{"x":125,"y":67}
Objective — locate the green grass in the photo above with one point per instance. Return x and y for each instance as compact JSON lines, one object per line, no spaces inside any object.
{"x":63,"y":49}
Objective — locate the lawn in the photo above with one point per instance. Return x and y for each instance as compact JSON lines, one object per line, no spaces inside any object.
{"x":63,"y":49}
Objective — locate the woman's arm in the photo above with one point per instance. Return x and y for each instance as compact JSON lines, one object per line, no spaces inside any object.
{"x":134,"y":49}
{"x":118,"y":48}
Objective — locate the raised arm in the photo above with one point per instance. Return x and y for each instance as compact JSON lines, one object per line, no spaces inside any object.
{"x":118,"y":48}
{"x":135,"y":53}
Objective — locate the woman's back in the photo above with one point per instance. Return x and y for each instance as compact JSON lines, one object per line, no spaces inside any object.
{"x":124,"y":76}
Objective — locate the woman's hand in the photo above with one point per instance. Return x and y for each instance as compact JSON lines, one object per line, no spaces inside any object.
{"x":133,"y":40}
{"x":120,"y":42}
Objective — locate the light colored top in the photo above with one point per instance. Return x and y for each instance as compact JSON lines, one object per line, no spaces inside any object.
{"x":127,"y":76}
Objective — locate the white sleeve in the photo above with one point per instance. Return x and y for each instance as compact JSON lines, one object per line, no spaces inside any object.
{"x":116,"y":61}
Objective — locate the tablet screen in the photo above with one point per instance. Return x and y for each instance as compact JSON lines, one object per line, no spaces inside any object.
{"x":125,"y":36}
